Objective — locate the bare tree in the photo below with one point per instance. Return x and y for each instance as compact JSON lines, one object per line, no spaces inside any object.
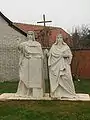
{"x":84,"y":36}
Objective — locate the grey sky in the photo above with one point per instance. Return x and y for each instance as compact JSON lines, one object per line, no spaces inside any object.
{"x":63,"y":13}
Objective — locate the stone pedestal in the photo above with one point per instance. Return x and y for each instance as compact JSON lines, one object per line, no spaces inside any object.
{"x":13,"y":96}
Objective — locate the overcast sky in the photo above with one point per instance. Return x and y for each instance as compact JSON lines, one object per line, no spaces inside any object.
{"x":63,"y":13}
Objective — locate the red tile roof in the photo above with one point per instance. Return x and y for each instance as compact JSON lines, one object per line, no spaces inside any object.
{"x":52,"y":36}
{"x":53,"y":31}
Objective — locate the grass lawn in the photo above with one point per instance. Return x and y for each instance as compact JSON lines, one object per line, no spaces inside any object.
{"x":45,"y":110}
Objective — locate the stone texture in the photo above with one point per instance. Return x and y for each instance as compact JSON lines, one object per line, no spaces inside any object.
{"x":9,"y":56}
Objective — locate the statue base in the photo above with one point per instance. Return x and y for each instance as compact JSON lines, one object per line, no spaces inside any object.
{"x":14,"y":96}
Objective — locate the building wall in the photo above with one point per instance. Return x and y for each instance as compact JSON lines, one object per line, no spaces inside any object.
{"x":9,"y":56}
{"x":81,"y":63}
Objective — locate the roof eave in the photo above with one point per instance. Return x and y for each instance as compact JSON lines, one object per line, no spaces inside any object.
{"x":11,"y":24}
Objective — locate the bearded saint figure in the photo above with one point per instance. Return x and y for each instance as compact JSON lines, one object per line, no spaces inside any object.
{"x":30,"y":68}
{"x":60,"y":56}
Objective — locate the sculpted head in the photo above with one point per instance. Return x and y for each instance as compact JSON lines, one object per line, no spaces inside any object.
{"x":31,"y":35}
{"x":59,"y":39}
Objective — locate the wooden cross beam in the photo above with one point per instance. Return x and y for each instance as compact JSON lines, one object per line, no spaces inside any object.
{"x":47,"y":40}
{"x":44,"y":21}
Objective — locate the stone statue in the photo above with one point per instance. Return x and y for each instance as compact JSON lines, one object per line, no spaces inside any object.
{"x":30,"y":70}
{"x":60,"y":56}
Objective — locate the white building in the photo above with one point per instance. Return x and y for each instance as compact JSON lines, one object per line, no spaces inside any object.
{"x":9,"y":56}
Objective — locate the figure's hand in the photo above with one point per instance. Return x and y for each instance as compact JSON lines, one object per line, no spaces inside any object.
{"x":46,"y":51}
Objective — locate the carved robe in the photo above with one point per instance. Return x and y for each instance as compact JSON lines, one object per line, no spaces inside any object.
{"x":59,"y":61}
{"x":31,"y":69}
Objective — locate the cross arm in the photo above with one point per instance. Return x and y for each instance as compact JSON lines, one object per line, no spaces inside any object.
{"x":43,"y":21}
